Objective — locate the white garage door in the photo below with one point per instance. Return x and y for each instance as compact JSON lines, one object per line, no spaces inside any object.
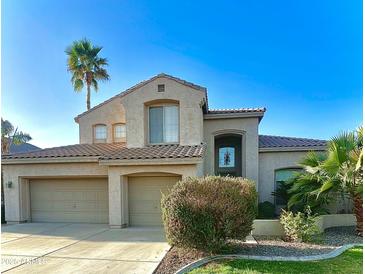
{"x":145,"y":199}
{"x":69,"y":200}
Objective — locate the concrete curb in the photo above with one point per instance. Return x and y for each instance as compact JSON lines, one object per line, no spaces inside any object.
{"x":329,"y":255}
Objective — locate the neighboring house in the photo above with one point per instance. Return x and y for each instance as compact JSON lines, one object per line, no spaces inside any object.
{"x":139,"y":143}
{"x":22,"y":148}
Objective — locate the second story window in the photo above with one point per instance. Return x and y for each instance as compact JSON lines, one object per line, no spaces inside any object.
{"x":119,"y":132}
{"x":100,"y":133}
{"x":163,"y":124}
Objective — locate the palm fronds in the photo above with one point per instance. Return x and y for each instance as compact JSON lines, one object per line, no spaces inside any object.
{"x":11,"y":135}
{"x":85,"y":66}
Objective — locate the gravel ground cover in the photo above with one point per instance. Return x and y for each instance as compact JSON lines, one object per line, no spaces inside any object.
{"x":338,"y":236}
{"x":266,"y":246}
{"x":277,"y":247}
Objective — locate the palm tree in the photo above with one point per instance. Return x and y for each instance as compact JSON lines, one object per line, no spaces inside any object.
{"x":303,"y":187}
{"x":86,"y":67}
{"x":344,"y":167}
{"x":337,"y":171}
{"x":10,"y":136}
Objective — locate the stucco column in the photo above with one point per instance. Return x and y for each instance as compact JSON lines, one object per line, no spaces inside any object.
{"x":12,"y":197}
{"x":117,"y":194}
{"x":209,"y":156}
{"x":252,"y":157}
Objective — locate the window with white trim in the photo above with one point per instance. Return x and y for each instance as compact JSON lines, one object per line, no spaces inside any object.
{"x":281,"y":177}
{"x":119,"y":131}
{"x":100,"y":132}
{"x":163,"y":124}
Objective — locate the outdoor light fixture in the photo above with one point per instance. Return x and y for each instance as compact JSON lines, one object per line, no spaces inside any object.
{"x":9,"y":184}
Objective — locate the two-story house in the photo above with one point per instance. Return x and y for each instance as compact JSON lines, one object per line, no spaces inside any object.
{"x":138,"y":144}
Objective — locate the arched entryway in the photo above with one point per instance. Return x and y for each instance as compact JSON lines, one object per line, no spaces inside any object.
{"x":228,"y":155}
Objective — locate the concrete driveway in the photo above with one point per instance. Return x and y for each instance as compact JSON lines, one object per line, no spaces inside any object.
{"x":80,"y":248}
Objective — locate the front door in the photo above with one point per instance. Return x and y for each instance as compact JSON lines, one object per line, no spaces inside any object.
{"x":228,"y":156}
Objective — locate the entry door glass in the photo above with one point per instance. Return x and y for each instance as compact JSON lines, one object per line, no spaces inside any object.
{"x":226,"y":157}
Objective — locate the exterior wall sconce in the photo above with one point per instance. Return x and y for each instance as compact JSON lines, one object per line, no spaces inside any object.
{"x":9,"y":184}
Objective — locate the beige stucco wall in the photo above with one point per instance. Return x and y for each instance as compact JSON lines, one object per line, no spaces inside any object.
{"x":333,"y":220}
{"x":267,"y":228}
{"x":131,"y":110}
{"x":109,"y":114}
{"x":275,"y":228}
{"x":191,"y":114}
{"x":118,"y":186}
{"x":249,"y":129}
{"x":17,"y":197}
{"x":268,"y":163}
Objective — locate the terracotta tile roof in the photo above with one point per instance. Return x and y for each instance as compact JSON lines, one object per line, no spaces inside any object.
{"x":80,"y":150}
{"x":157,"y":152}
{"x":267,"y":141}
{"x":237,"y":110}
{"x":114,"y":152}
{"x":144,"y":82}
{"x":22,"y":148}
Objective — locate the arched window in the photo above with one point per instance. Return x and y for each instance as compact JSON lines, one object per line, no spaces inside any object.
{"x":281,"y":177}
{"x":119,"y":133}
{"x":100,"y":133}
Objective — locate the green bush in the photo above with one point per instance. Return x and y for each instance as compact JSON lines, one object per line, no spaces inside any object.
{"x":266,"y":210}
{"x":203,"y":213}
{"x":299,"y":226}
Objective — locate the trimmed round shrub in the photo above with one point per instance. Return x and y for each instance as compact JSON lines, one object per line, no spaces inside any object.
{"x":266,"y":210}
{"x":204,"y":212}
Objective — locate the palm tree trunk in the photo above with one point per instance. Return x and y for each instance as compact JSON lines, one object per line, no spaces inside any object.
{"x":4,"y":150}
{"x":88,"y":97}
{"x":2,"y":199}
{"x":358,"y":212}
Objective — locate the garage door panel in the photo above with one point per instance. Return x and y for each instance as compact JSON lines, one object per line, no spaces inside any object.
{"x":145,"y":199}
{"x":146,"y":219}
{"x":69,"y":200}
{"x":70,"y":217}
{"x":146,"y":207}
{"x":146,"y":194}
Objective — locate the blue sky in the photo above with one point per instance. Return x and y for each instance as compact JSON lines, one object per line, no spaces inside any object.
{"x":302,"y":60}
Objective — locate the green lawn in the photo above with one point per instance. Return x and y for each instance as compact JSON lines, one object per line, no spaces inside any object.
{"x":348,"y":262}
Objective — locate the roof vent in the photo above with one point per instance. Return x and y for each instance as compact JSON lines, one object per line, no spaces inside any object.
{"x":160,"y":88}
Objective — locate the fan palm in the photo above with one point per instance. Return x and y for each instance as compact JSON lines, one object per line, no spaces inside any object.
{"x":11,"y":135}
{"x":86,"y":67}
{"x":338,"y":171}
{"x":344,"y":168}
{"x":303,"y":187}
